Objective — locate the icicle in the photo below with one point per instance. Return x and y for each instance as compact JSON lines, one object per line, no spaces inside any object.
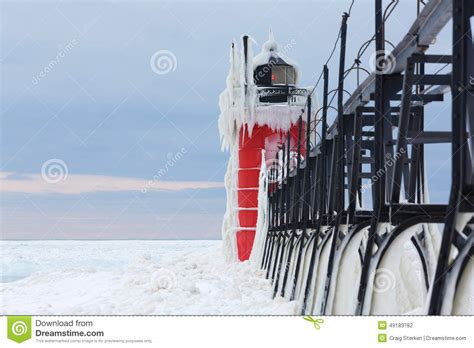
{"x":248,"y":90}
{"x":270,"y":35}
{"x":262,"y":218}
{"x":238,"y":102}
{"x":230,"y":218}
{"x":228,"y":101}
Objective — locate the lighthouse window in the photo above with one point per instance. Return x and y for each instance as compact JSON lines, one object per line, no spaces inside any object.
{"x":266,"y":75}
{"x":262,"y":75}
{"x":290,"y":75}
{"x":279,"y":75}
{"x":283,"y":75}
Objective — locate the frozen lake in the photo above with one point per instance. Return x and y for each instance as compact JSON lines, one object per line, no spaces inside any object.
{"x":130,"y":277}
{"x":21,"y":259}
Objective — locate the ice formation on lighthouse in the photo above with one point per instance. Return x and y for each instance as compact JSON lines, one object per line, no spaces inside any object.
{"x":233,"y":103}
{"x":230,"y":107}
{"x":262,"y":220}
{"x":240,"y":107}
{"x":230,"y":218}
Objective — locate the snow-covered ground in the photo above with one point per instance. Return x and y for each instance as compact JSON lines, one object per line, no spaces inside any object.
{"x":130,"y":277}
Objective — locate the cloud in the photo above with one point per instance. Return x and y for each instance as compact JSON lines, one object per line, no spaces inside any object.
{"x":77,"y":184}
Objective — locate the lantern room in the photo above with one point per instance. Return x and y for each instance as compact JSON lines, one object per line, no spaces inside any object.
{"x":274,"y":74}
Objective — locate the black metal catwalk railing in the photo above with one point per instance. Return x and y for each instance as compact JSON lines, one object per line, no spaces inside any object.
{"x":315,"y":221}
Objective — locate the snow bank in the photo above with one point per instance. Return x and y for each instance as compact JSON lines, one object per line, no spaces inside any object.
{"x":458,"y":297}
{"x":133,"y":277}
{"x":398,"y":284}
{"x":348,"y":277}
{"x":462,"y":298}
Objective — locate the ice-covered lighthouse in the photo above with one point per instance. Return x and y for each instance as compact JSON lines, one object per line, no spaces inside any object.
{"x":260,"y":109}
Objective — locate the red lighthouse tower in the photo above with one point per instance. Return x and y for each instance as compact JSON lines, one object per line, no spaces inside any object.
{"x":261,"y":106}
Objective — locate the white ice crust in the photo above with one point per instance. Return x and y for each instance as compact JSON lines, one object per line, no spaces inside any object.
{"x":239,"y":107}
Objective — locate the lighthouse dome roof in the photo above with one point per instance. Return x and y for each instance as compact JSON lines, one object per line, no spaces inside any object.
{"x":272,"y":55}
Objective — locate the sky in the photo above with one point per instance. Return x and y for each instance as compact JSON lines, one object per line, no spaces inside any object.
{"x":99,"y":140}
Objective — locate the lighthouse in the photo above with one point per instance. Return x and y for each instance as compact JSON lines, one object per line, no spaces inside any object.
{"x":260,"y":110}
